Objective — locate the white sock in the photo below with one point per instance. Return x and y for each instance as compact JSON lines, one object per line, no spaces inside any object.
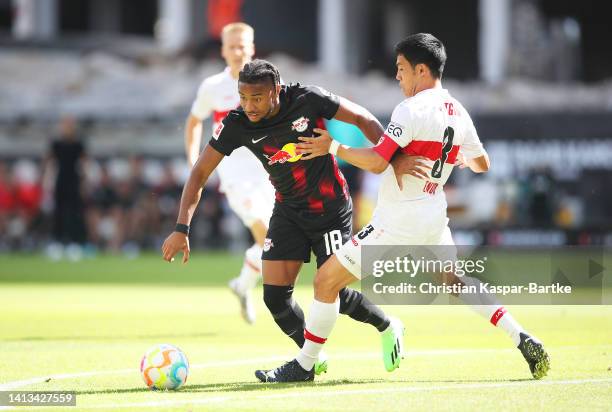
{"x":487,"y":305}
{"x":511,"y":327}
{"x":251,"y":269}
{"x":319,"y":325}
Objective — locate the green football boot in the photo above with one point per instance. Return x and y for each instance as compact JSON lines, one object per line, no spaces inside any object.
{"x":320,"y":365}
{"x":393,"y":344}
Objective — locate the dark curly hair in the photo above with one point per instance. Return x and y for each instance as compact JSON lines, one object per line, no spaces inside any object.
{"x":259,"y":71}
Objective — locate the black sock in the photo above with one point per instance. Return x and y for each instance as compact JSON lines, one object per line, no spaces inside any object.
{"x":358,"y":307}
{"x":286,"y":312}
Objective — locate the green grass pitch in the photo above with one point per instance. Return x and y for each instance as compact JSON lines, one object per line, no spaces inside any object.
{"x":84,"y":327}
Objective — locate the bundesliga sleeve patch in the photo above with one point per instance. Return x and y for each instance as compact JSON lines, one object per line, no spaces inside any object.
{"x":218,"y":130}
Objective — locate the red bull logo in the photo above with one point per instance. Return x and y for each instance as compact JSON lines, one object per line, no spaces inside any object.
{"x":286,"y":154}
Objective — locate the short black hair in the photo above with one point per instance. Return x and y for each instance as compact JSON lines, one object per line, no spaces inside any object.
{"x":423,"y":48}
{"x":259,"y":71}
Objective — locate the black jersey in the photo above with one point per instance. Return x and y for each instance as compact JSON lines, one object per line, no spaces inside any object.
{"x":317,"y":184}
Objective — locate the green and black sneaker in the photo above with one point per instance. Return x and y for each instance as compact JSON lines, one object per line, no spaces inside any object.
{"x":535,"y":355}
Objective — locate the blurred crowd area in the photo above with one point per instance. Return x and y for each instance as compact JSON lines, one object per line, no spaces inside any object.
{"x":70,"y":203}
{"x":122,"y":205}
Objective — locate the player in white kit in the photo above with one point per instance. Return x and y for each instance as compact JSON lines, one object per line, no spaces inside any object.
{"x":243,"y":179}
{"x":411,"y":209}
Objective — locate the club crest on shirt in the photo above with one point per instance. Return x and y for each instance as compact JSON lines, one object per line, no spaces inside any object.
{"x":300,"y":124}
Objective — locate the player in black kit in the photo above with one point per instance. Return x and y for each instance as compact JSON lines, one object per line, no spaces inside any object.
{"x":313,"y":210}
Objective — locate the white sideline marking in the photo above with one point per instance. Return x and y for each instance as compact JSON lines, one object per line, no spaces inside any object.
{"x":241,"y":362}
{"x":364,"y":355}
{"x":33,"y":381}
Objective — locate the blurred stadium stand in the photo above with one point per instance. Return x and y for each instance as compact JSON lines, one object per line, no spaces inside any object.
{"x":535,"y":74}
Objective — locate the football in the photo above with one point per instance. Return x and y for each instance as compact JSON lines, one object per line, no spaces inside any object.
{"x":164,"y":367}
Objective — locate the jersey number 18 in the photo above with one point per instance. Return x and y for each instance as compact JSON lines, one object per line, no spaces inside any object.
{"x":333,"y":241}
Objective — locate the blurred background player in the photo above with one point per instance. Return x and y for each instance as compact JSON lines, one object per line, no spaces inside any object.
{"x":243,"y":179}
{"x":67,"y":154}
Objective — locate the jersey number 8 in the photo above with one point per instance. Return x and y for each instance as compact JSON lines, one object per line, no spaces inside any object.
{"x":447,"y":146}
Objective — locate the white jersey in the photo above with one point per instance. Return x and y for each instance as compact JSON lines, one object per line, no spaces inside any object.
{"x":218,"y":95}
{"x":434,"y":125}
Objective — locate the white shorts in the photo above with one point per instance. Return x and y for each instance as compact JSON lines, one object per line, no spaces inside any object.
{"x":375,"y":233}
{"x":251,"y":201}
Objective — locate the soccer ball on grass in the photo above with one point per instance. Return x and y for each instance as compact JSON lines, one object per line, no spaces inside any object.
{"x":164,"y":367}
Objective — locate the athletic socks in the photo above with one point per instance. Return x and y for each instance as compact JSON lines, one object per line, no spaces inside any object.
{"x":506,"y":322}
{"x":321,"y":321}
{"x":358,"y":307}
{"x":487,"y":305}
{"x":286,"y":312}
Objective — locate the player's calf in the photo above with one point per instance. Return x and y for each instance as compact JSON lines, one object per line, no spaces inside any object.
{"x":285,"y":310}
{"x":330,"y":279}
{"x":320,"y":324}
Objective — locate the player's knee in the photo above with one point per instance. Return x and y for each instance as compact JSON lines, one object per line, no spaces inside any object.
{"x":277,"y":298}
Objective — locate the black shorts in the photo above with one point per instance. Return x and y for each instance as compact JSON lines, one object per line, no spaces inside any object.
{"x":293,"y":234}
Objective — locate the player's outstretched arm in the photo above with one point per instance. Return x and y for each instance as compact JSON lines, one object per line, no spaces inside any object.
{"x":363,"y":158}
{"x":359,"y":116}
{"x":192,"y":191}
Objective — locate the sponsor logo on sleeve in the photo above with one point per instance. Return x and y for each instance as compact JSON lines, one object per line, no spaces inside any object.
{"x":217,"y":131}
{"x":394,"y":130}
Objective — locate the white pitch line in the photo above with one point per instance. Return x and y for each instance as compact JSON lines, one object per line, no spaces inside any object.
{"x":321,"y":394}
{"x":239,"y":362}
{"x":33,"y":381}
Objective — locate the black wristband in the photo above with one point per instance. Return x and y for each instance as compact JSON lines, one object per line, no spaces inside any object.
{"x":182,"y":228}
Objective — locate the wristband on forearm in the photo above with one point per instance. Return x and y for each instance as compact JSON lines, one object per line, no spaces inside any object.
{"x":333,"y":148}
{"x":181,"y":228}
